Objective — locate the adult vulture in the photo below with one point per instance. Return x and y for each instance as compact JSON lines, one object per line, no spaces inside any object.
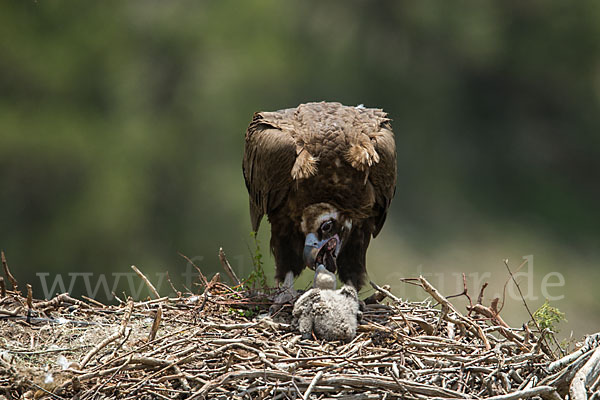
{"x":325,"y":175}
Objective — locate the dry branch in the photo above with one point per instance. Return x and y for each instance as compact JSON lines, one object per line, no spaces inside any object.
{"x":146,"y":281}
{"x":7,"y":273}
{"x":227,"y":267}
{"x":585,"y":377}
{"x":526,"y":393}
{"x":441,"y":299}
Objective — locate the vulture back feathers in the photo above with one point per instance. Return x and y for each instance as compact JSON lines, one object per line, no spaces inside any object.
{"x":315,"y":162}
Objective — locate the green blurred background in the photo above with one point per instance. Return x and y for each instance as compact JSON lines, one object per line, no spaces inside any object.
{"x":122,"y":128}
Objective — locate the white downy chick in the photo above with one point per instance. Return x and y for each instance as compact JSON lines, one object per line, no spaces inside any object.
{"x":331,"y":314}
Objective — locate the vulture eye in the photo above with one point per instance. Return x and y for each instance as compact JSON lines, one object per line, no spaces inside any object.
{"x":326,"y":227}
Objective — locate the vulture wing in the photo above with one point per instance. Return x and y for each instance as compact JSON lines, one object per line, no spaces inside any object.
{"x":269,"y":156}
{"x":383,"y":174}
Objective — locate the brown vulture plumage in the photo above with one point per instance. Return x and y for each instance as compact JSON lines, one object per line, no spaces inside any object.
{"x":325,"y":175}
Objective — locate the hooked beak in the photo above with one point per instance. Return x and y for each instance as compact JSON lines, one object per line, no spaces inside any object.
{"x":314,"y":249}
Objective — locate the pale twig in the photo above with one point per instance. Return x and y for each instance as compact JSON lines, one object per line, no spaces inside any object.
{"x":227,"y":267}
{"x":93,"y":301}
{"x":526,"y":393}
{"x":146,"y":281}
{"x":312,"y":384}
{"x":429,"y":288}
{"x":386,"y":292}
{"x":58,"y":300}
{"x":586,"y":376}
{"x":111,"y":338}
{"x":10,"y":313}
{"x":504,"y":328}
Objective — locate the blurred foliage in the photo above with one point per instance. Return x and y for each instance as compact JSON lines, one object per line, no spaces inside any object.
{"x":122,"y":123}
{"x":547,"y":317}
{"x":257,"y":278}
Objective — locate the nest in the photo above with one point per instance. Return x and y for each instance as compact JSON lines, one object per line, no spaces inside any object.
{"x":220,"y":344}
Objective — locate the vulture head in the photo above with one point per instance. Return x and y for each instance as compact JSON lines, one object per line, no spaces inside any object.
{"x":325,"y":230}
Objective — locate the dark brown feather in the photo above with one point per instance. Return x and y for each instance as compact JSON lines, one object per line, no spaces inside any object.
{"x":269,"y":155}
{"x":320,"y":153}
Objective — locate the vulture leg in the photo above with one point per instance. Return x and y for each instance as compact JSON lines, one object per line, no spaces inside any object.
{"x":353,"y":258}
{"x":287,"y":293}
{"x":287,"y":245}
{"x":288,"y":258}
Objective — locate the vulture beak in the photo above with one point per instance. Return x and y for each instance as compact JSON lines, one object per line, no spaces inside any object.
{"x":321,"y":252}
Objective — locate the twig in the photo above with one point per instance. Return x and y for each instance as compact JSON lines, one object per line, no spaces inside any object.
{"x":363,"y":381}
{"x":397,"y":300}
{"x":146,"y":280}
{"x":585,"y":376}
{"x":562,"y":380}
{"x":165,"y":366}
{"x":155,"y":323}
{"x":177,"y":292}
{"x":60,"y":299}
{"x":465,"y":291}
{"x":2,"y":287}
{"x":480,"y":297}
{"x":526,"y":393}
{"x":312,"y":384}
{"x":542,"y":338}
{"x":9,"y":276}
{"x":227,"y":267}
{"x":441,"y":299}
{"x":53,"y":395}
{"x":508,"y":281}
{"x":386,"y":292}
{"x":93,"y":301}
{"x":117,"y":370}
{"x":590,"y":343}
{"x":202,"y":277}
{"x":111,"y":338}
{"x":504,"y":328}
{"x":29,"y":296}
{"x":46,"y":351}
{"x":378,"y":296}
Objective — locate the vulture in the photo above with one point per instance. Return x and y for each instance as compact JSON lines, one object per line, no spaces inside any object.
{"x":324,"y":174}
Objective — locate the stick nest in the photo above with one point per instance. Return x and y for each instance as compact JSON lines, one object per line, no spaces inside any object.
{"x":207,"y":345}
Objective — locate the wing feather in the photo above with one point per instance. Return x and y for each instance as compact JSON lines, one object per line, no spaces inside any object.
{"x":269,"y":155}
{"x":383,"y":174}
